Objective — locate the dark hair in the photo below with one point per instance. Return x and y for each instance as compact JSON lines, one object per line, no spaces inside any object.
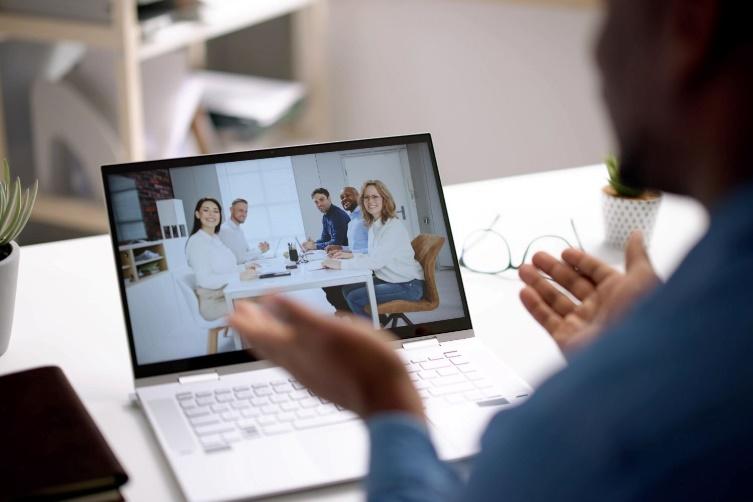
{"x":197,"y":222}
{"x":322,"y":191}
{"x":238,"y":201}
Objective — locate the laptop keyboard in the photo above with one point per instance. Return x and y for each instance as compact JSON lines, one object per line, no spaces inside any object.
{"x":223,"y":416}
{"x":447,"y":378}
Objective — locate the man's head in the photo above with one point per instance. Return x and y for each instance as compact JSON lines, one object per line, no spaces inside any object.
{"x":349,"y":199}
{"x":320,"y":196}
{"x":676,"y":77}
{"x":239,"y":211}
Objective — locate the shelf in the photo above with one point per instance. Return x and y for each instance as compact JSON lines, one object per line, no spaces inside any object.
{"x":28,"y":27}
{"x":144,"y":262}
{"x":217,"y":21}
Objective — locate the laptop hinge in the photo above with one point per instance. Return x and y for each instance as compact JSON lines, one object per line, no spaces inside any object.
{"x":201,"y":377}
{"x":422,"y":344}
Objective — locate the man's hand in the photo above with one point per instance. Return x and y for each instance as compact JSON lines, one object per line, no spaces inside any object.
{"x":603,"y":293}
{"x":346,"y":362}
{"x":343,"y":255}
{"x":264,"y":246}
{"x":309,"y":245}
{"x":332,"y":248}
{"x":330,"y":263}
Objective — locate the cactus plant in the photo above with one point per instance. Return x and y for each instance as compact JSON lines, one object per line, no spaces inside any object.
{"x":15,"y":206}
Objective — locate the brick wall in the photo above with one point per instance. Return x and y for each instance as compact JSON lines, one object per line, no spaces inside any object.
{"x":152,"y":186}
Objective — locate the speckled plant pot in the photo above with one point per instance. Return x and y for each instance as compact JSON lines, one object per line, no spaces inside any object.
{"x":8,"y":280}
{"x":623,"y":215}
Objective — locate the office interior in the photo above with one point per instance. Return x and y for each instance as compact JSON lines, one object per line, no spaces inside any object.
{"x":153,"y":211}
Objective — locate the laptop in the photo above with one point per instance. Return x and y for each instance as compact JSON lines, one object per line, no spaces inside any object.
{"x":233,"y":426}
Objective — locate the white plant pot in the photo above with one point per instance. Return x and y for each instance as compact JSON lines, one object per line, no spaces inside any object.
{"x":623,"y":215}
{"x":8,"y":280}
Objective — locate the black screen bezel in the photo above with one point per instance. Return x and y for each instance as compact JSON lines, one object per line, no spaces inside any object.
{"x":215,"y":360}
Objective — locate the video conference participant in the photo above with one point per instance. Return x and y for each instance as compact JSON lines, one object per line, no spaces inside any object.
{"x":358,"y":242}
{"x":334,"y":222}
{"x":358,"y":234}
{"x":233,"y":237}
{"x":398,"y":275}
{"x":212,"y":261}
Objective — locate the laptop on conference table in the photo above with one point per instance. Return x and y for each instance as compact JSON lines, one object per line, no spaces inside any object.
{"x":230,"y":425}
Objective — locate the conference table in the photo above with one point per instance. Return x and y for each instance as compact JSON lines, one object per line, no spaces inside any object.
{"x":68,"y":311}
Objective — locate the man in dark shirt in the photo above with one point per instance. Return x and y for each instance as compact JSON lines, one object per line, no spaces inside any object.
{"x":657,"y":402}
{"x":334,"y":222}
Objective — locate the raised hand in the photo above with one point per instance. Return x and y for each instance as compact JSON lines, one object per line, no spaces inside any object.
{"x":602,"y":294}
{"x":345,"y":361}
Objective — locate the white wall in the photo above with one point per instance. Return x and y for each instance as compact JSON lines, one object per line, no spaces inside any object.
{"x":504,"y":88}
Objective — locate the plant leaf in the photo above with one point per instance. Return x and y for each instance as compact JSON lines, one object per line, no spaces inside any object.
{"x":27,"y":209}
{"x":13,"y":210}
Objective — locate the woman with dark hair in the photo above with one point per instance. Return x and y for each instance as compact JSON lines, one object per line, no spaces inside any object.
{"x":213,"y":263}
{"x":398,"y":276}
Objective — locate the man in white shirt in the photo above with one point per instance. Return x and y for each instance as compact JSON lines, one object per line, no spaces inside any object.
{"x":233,"y":237}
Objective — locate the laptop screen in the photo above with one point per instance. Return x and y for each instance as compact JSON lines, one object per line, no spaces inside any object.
{"x":355,"y":228}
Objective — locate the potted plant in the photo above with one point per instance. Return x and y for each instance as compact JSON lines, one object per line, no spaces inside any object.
{"x":627,"y":208}
{"x":15,"y":209}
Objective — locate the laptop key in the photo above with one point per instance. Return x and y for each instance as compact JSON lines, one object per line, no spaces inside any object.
{"x":289,"y":406}
{"x":219,"y":408}
{"x":225,"y":398}
{"x":320,"y":421}
{"x":232,"y":437}
{"x":213,"y":443}
{"x":230,"y":416}
{"x":204,"y":430}
{"x":196,"y":412}
{"x":203,"y":401}
{"x":184,"y":395}
{"x":265,"y":420}
{"x":432,"y":365}
{"x":204,"y":420}
{"x":250,"y":412}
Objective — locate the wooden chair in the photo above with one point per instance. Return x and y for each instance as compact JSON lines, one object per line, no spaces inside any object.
{"x":426,"y":247}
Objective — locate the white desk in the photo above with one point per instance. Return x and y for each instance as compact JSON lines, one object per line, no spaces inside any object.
{"x":68,"y":312}
{"x":307,"y":276}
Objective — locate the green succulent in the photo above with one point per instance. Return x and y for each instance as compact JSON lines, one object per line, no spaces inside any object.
{"x":615,"y":181}
{"x":15,"y":205}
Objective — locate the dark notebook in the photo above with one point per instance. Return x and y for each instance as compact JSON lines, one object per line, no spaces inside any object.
{"x":51,"y":447}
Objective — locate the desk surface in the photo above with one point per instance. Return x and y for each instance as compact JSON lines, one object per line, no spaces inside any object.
{"x":68,"y":312}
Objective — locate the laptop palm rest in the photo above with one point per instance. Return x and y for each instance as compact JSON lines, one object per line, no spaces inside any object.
{"x":171,"y":425}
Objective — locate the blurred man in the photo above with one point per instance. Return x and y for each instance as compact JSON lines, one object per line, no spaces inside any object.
{"x":233,"y":237}
{"x":658,"y":401}
{"x":334,"y":222}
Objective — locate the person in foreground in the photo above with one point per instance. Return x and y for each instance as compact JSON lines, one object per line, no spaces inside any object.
{"x":657,"y":400}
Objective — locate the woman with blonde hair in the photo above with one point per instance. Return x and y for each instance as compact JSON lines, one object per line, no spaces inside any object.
{"x":398,"y":276}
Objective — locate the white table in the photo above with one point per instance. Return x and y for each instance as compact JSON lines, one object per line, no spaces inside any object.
{"x":68,"y":311}
{"x":308,"y":275}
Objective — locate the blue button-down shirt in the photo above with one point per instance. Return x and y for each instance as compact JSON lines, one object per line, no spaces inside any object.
{"x":334,"y":228}
{"x":658,"y":408}
{"x":358,"y":233}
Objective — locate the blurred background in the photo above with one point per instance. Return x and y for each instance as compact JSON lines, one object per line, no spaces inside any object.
{"x":504,"y":86}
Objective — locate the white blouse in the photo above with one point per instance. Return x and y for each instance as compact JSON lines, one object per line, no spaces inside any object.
{"x":212,"y":261}
{"x":390,"y":256}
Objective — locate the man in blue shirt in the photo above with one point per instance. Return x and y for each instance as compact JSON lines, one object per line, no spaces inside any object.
{"x":358,"y":242}
{"x":358,"y":234}
{"x":334,"y":222}
{"x":657,"y":400}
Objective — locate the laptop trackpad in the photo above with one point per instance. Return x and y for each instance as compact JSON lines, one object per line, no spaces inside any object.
{"x":171,"y":425}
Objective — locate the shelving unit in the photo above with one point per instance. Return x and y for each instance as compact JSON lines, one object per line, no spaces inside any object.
{"x":123,"y":37}
{"x":133,"y":269}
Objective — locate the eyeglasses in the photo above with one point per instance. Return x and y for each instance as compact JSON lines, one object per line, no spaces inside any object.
{"x":486,"y":251}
